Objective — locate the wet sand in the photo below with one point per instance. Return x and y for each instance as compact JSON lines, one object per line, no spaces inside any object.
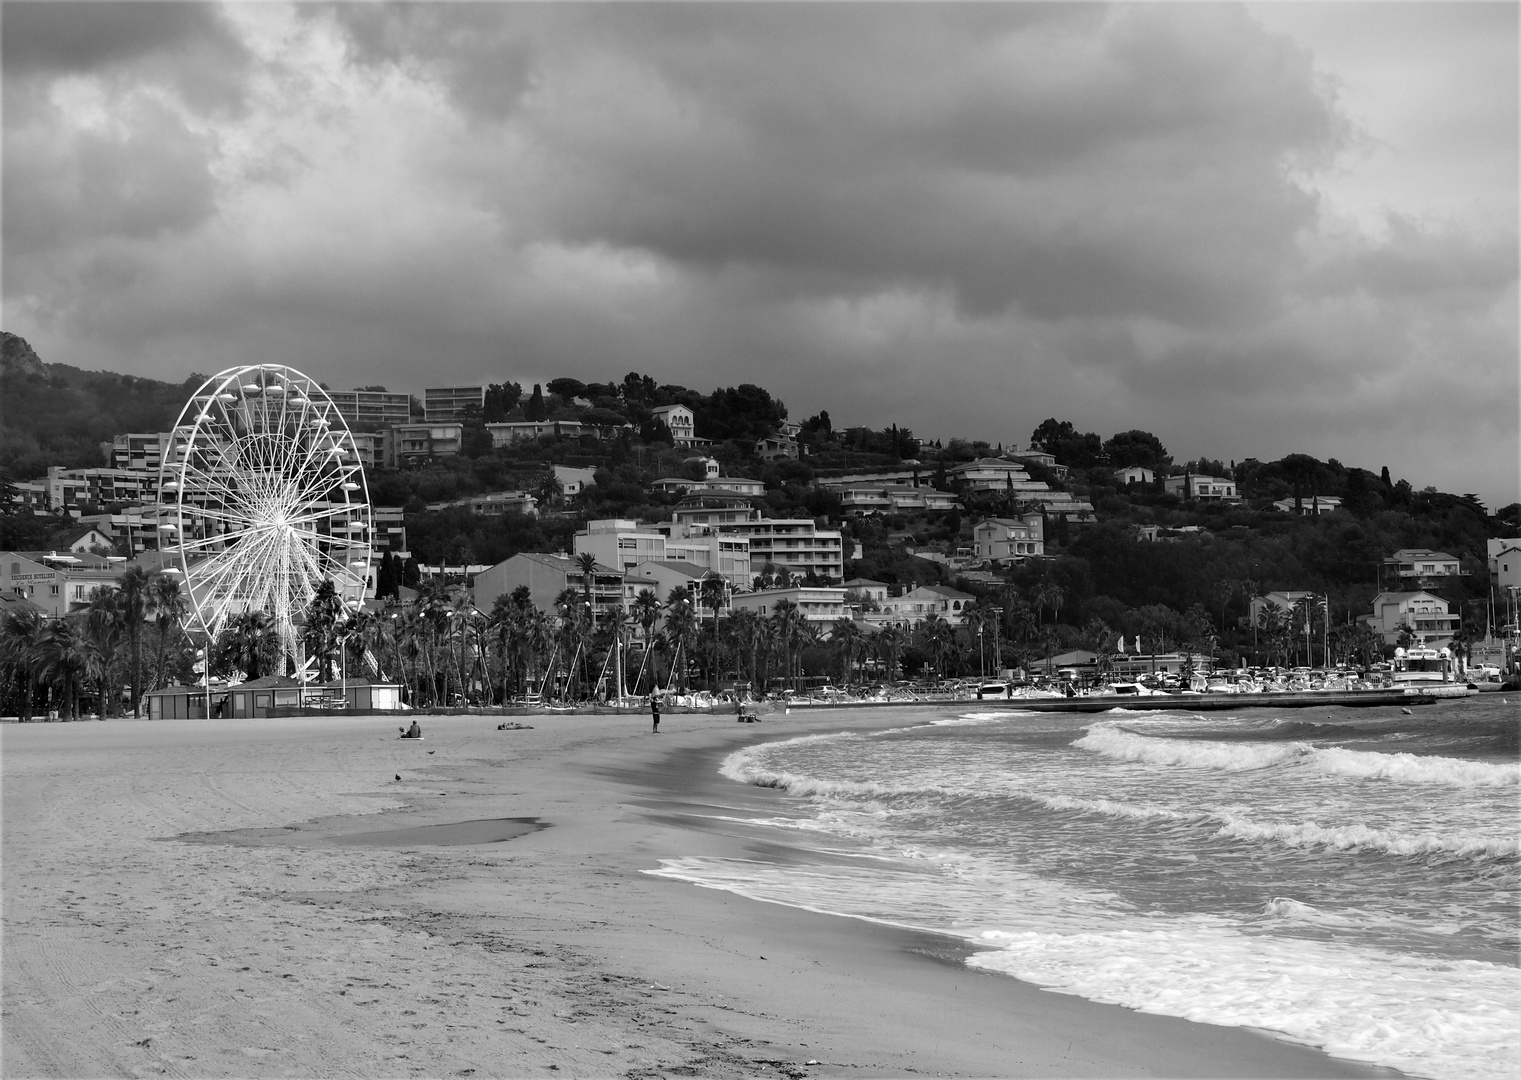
{"x":243,"y":898}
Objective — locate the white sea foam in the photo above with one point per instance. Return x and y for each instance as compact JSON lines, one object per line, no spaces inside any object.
{"x":1430,"y":1016}
{"x":1116,"y":742}
{"x":1417,"y":769}
{"x":1363,"y":838}
{"x":1438,"y":1018}
{"x":1122,"y":744}
{"x":1303,"y":834}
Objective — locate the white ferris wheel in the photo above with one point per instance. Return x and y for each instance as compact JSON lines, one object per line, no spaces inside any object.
{"x":264,"y":498}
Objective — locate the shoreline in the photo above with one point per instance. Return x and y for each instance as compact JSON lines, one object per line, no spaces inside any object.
{"x":204,"y":913}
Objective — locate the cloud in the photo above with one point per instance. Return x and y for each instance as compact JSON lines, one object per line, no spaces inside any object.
{"x":189,"y":46}
{"x":962,"y":218}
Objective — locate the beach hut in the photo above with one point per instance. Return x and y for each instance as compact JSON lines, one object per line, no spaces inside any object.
{"x":359,"y":696}
{"x":258,"y":696}
{"x":185,"y":702}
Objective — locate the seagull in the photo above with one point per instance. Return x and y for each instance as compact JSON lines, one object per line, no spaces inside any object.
{"x":1405,"y":711}
{"x":432,"y":751}
{"x":398,"y":776}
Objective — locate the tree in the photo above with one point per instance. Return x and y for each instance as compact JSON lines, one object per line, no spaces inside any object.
{"x":104,"y":633}
{"x":249,"y":643}
{"x":536,"y":409}
{"x":565,"y":389}
{"x":136,"y":586}
{"x":20,"y":637}
{"x":712,"y":591}
{"x":169,"y":607}
{"x":500,"y":399}
{"x":1139,"y":448}
{"x":323,"y":615}
{"x":63,"y":661}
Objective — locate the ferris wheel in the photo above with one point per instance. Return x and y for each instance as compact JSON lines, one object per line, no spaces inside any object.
{"x":263,"y":498}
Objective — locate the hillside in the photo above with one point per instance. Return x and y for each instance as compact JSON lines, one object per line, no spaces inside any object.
{"x":54,"y":414}
{"x":1207,"y":559}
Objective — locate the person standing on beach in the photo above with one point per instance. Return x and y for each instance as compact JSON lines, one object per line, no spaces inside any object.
{"x":655,"y":713}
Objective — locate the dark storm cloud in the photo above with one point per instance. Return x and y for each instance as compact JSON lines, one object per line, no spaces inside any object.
{"x":961,"y":217}
{"x":190,"y":45}
{"x":1037,"y":157}
{"x":149,"y":177}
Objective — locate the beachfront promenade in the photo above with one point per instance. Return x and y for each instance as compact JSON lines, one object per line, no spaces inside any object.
{"x":199,"y":898}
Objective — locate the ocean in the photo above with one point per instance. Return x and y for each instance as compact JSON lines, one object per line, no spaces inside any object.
{"x":1346,"y":878}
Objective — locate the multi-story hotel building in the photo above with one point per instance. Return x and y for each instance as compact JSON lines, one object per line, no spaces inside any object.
{"x":372,"y":410}
{"x":623,"y":544}
{"x":449,"y":402}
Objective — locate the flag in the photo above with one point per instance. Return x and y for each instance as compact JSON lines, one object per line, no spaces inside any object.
{"x":1122,"y":644}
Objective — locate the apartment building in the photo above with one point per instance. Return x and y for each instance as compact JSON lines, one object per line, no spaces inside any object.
{"x":797,"y":544}
{"x":408,"y":443}
{"x":372,"y":410}
{"x":140,"y":451}
{"x":71,"y":489}
{"x":625,"y":544}
{"x":442,"y":403}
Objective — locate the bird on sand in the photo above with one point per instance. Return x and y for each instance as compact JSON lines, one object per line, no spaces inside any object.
{"x":1406,"y":712}
{"x":432,"y":751}
{"x":398,"y":776}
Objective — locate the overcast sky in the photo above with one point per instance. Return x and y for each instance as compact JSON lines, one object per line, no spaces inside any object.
{"x":1252,"y":230}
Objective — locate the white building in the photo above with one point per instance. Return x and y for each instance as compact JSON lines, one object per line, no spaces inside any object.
{"x":1421,"y":563}
{"x":1002,"y":540}
{"x":1202,"y":487}
{"x":1428,"y":618}
{"x":507,"y":432}
{"x":625,"y":544}
{"x":821,"y":605}
{"x":918,"y":604}
{"x":681,"y":422}
{"x":1504,"y":563}
{"x":1135,"y":474}
{"x":1315,"y":505}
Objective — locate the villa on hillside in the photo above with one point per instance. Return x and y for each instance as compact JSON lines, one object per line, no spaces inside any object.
{"x":1201,"y":487}
{"x":1315,"y":505}
{"x":1429,"y":619}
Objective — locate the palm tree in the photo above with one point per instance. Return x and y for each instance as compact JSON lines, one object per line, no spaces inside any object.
{"x":104,"y":633}
{"x":711,"y":591}
{"x":249,"y":643}
{"x":324,"y":615}
{"x":136,"y":587}
{"x":169,"y":609}
{"x":63,"y":661}
{"x":846,"y":636}
{"x":20,"y":636}
{"x":745,"y":630}
{"x":646,"y":612}
{"x":680,"y":629}
{"x":889,"y":645}
{"x":789,"y":626}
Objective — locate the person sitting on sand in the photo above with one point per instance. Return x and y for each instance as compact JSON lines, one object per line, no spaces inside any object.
{"x":413,"y":732}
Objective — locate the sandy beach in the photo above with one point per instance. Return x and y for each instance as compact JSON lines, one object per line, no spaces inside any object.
{"x":243,"y":898}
